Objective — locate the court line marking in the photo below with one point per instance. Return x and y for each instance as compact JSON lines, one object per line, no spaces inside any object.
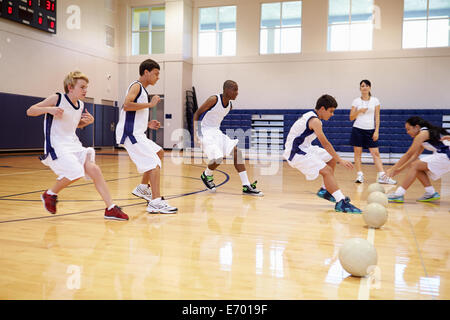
{"x":418,"y":249}
{"x":227,"y":178}
{"x":364,"y":283}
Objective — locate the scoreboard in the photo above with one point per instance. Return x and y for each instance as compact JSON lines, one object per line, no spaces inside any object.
{"x":40,"y":14}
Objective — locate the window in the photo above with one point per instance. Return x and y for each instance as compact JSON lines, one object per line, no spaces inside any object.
{"x":217,"y":31}
{"x":426,"y":23}
{"x":147,"y":32}
{"x":281,"y":27}
{"x":350,"y":25}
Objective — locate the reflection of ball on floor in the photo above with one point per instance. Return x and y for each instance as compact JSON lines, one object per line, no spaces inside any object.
{"x":375,"y":215}
{"x":375,"y":187}
{"x":357,"y":255}
{"x":378,"y":197}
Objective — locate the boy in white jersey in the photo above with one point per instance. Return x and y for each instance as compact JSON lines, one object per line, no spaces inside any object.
{"x":130,"y":132}
{"x":64,"y":153}
{"x":312,"y":160}
{"x":434,"y":166}
{"x":217,"y":145}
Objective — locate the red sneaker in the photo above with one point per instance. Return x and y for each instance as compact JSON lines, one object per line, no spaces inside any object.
{"x":49,"y":202}
{"x":115,"y":213}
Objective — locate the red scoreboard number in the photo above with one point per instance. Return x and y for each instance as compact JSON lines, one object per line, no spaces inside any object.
{"x":40,"y":14}
{"x":48,"y":5}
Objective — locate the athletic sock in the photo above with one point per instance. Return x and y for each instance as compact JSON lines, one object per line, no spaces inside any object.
{"x":208,"y":172}
{"x":244,"y":178}
{"x":430,"y":190}
{"x":400,"y":192}
{"x":111,"y":206}
{"x":50,"y":192}
{"x":338,"y":195}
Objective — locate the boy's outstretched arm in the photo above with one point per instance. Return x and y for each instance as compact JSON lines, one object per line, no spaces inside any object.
{"x":46,"y":106}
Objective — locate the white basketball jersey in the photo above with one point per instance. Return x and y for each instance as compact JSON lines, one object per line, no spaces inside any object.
{"x":299,"y":137}
{"x":437,"y":147}
{"x":214,"y":116}
{"x":60,"y":136}
{"x":133,"y":123}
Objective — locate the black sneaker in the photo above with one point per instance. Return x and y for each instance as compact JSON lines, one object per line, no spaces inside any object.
{"x":208,"y":181}
{"x":251,"y":190}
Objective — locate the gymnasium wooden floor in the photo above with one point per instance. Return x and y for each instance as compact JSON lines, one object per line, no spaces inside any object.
{"x":219,"y":246}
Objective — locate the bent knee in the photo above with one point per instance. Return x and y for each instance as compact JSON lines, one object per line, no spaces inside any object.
{"x":327,"y":170}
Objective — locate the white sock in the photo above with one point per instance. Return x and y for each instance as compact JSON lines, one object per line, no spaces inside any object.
{"x":430,"y":190}
{"x":157,"y":199}
{"x":111,"y":206}
{"x":143,"y":186}
{"x":381,"y":174}
{"x":338,"y":195}
{"x":244,"y":178}
{"x":50,"y":192}
{"x":208,"y":171}
{"x":360,"y":173}
{"x":400,"y":192}
{"x":323,"y":186}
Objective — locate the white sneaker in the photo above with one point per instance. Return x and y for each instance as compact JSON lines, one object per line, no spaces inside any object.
{"x":144,"y":193}
{"x":386,"y":180}
{"x":359,"y":178}
{"x":160,"y":206}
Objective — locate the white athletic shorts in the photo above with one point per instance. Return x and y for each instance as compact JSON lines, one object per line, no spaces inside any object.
{"x":70,"y":165}
{"x":438,"y":164}
{"x":312,"y":162}
{"x":143,"y":153}
{"x":215,"y":144}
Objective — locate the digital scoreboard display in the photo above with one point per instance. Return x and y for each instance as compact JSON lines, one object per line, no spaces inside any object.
{"x":40,"y":14}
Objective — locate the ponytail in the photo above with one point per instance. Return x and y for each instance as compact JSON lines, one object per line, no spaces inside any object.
{"x":435,"y":132}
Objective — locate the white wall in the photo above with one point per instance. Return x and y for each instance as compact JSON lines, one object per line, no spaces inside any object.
{"x":35,"y":63}
{"x":413,"y":78}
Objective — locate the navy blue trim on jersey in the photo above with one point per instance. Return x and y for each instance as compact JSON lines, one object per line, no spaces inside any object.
{"x":441,"y":148}
{"x":221,"y":100}
{"x":129,"y":127}
{"x":299,"y":140}
{"x":48,"y":124}
{"x":75,"y":107}
{"x":438,"y":145}
{"x":48,"y":145}
{"x":130,"y":117}
{"x":59,"y":99}
{"x":200,"y":118}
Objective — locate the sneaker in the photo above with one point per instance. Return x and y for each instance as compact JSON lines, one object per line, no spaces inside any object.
{"x":49,"y":202}
{"x":346,"y":206}
{"x":386,"y":180}
{"x":427,"y":197}
{"x":144,"y":193}
{"x":208,"y":181}
{"x":251,"y":190}
{"x":324,"y":194}
{"x":394,"y":198}
{"x":359,"y":178}
{"x":115,"y":213}
{"x":160,"y":206}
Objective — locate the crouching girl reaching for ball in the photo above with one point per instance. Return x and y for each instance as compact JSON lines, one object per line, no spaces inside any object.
{"x":434,"y":166}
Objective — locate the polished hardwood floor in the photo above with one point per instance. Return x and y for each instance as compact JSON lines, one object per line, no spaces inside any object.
{"x":221,"y":245}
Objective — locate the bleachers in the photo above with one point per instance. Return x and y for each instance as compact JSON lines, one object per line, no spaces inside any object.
{"x":392,"y":140}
